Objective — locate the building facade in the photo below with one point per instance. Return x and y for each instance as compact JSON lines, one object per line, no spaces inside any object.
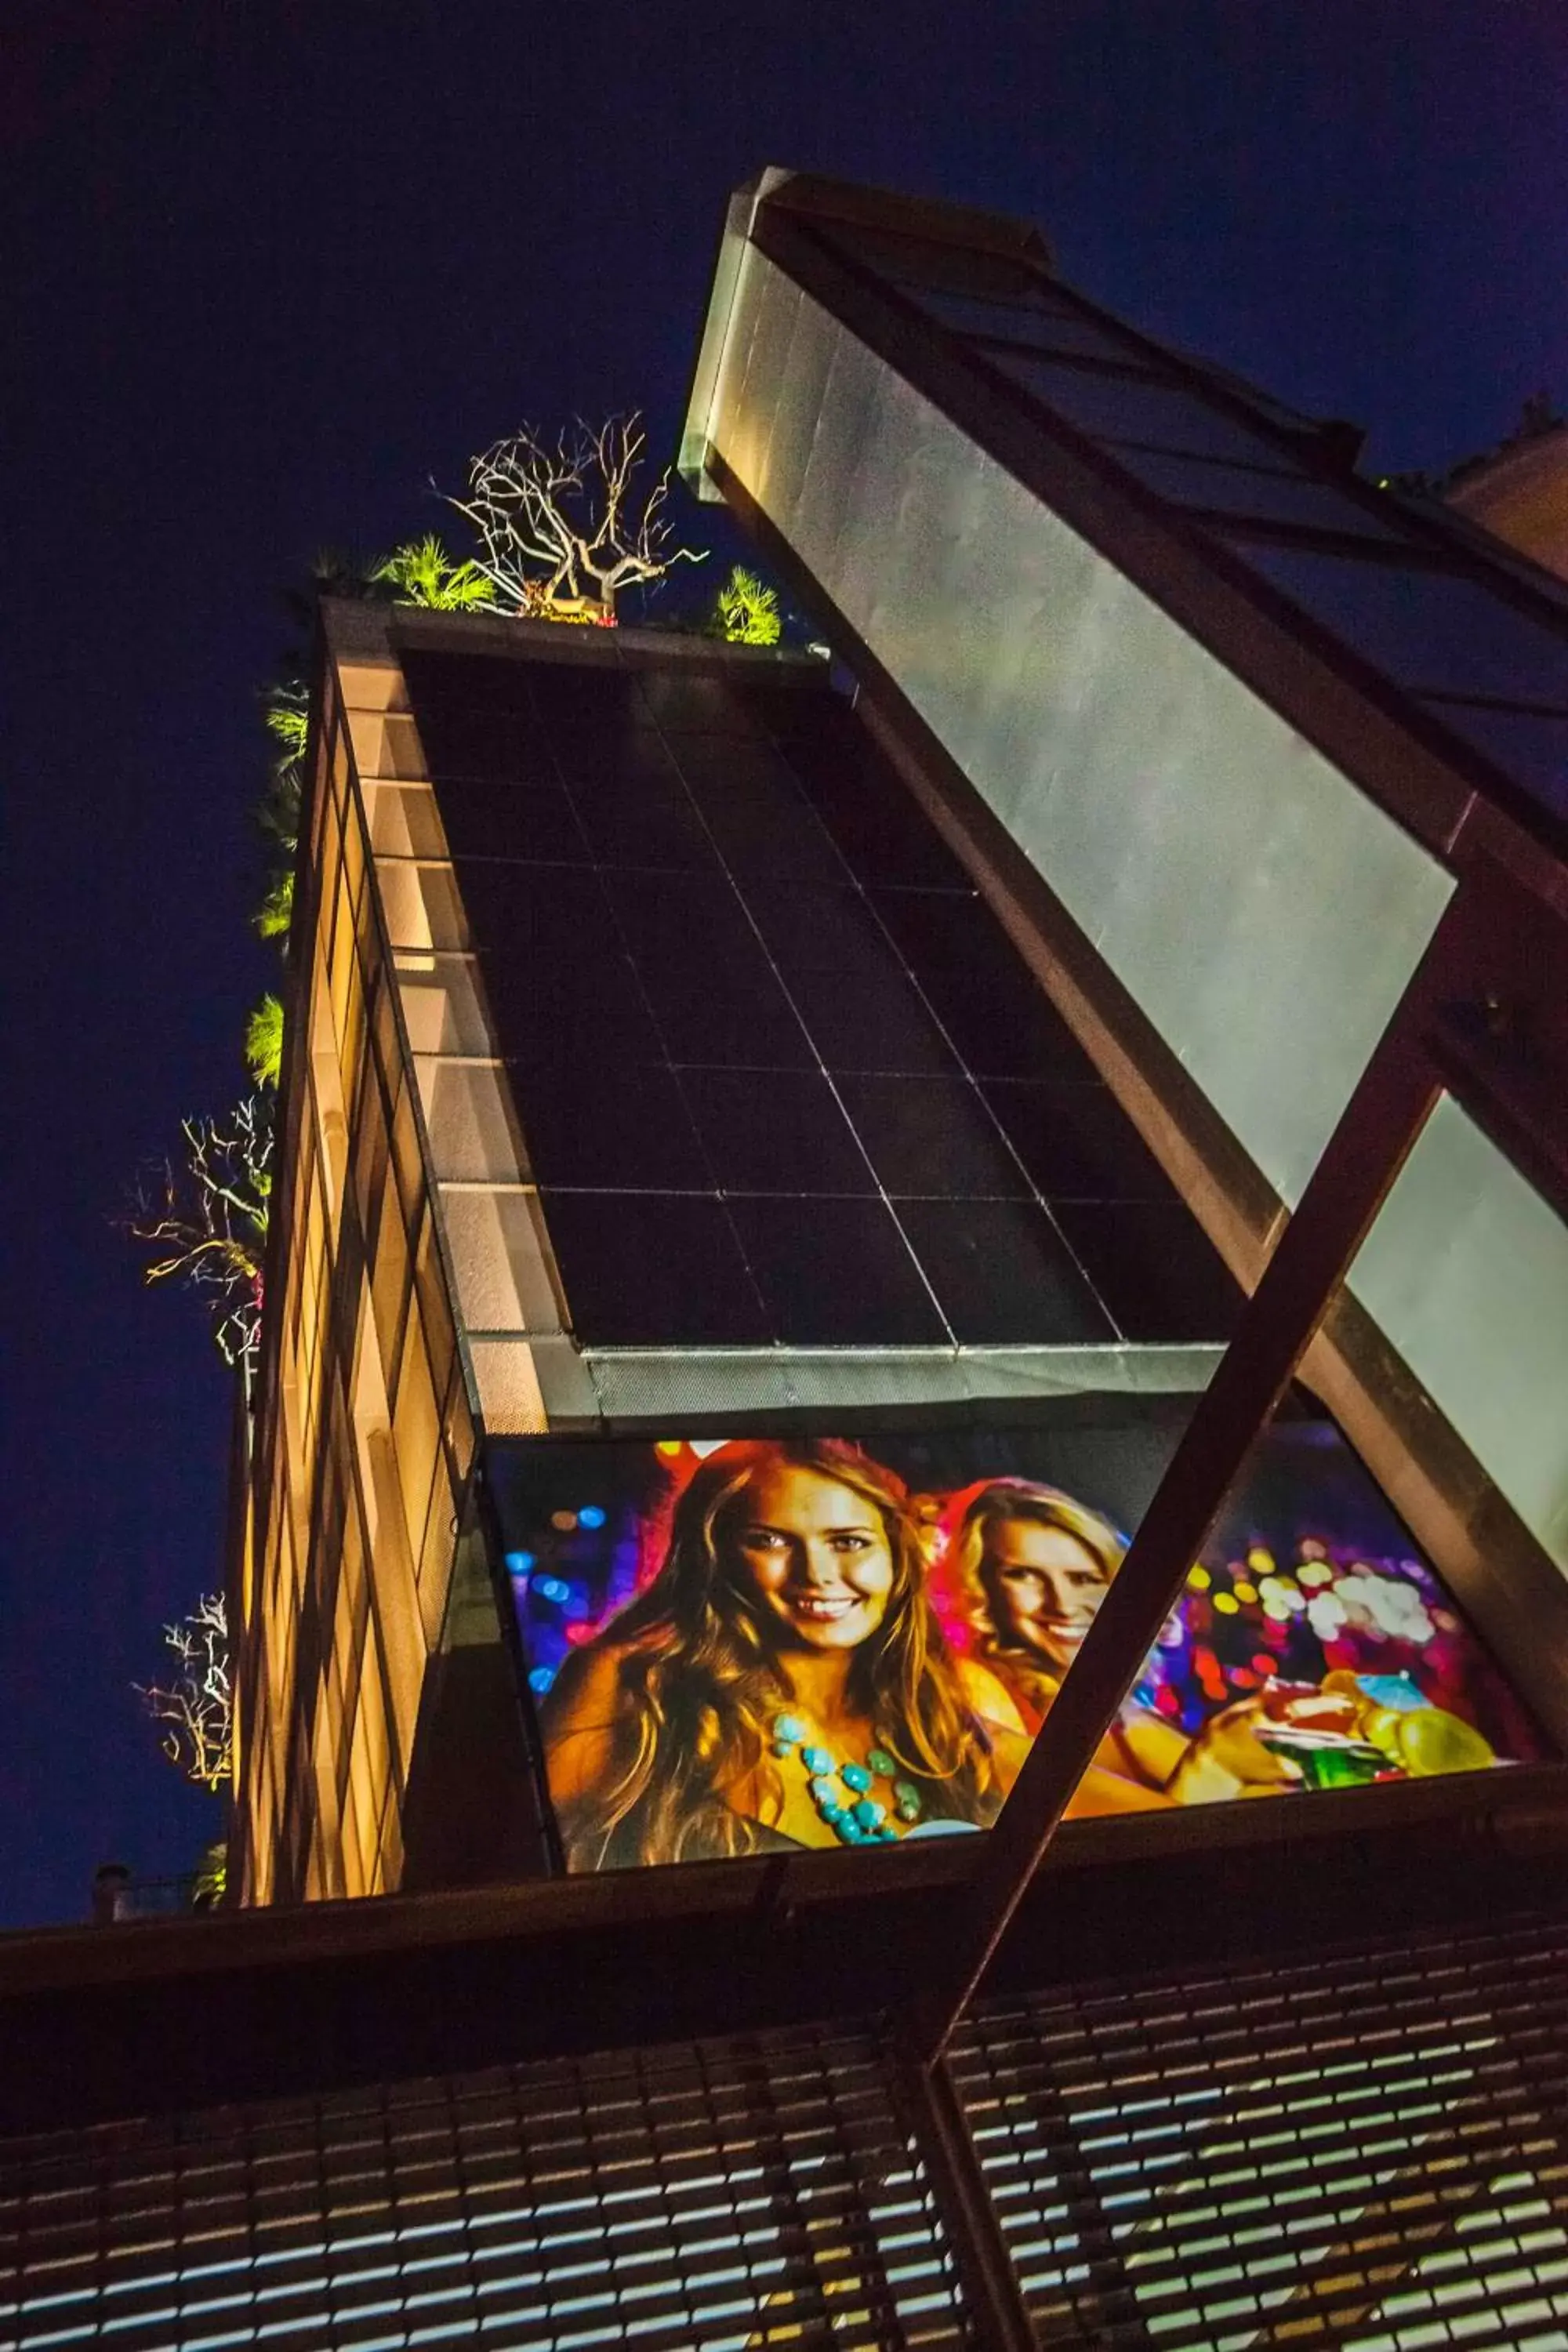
{"x":1099,"y":1046}
{"x":695,"y":1044}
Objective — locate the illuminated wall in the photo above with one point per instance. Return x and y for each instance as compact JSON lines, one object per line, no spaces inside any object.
{"x":365,"y":1440}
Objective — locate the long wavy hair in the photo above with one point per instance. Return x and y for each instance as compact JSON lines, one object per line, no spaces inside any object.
{"x":700,"y":1677}
{"x":995,"y":1644}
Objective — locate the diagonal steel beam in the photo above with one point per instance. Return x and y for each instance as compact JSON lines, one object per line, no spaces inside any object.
{"x":1364,"y":1154}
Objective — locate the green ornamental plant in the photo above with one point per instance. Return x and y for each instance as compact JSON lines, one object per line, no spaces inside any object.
{"x":422,"y":572}
{"x":263,"y":1041}
{"x":746,"y":611}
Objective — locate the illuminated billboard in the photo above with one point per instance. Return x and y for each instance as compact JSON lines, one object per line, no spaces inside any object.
{"x":755,"y":1645}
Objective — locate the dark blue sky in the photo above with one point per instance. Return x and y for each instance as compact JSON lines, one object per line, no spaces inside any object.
{"x":273,"y":265}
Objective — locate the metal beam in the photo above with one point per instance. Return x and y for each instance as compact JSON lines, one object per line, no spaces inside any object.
{"x":1364,"y":1154}
{"x":934,"y":2113}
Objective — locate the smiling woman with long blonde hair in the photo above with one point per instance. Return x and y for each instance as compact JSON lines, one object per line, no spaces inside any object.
{"x":782,"y":1680}
{"x":1032,"y":1566}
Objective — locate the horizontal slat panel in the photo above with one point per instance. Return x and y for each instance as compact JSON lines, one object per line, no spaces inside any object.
{"x":1366,"y":2151}
{"x":715,"y":2195}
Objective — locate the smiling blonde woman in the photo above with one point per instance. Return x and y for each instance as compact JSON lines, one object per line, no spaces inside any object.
{"x":782,"y":1680}
{"x":1032,"y":1567}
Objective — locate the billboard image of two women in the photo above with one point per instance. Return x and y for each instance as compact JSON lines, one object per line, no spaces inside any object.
{"x":764,"y":1644}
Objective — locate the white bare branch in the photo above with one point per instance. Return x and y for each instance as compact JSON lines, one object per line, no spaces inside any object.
{"x":205,"y":1217}
{"x":196,"y":1709}
{"x":560,"y":527}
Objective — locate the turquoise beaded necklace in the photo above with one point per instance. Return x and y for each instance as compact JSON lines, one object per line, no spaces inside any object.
{"x":842,"y":1792}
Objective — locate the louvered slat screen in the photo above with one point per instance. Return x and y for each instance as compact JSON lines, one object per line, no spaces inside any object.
{"x":723,"y":2195}
{"x":1366,"y":2151}
{"x":1369,"y":2153}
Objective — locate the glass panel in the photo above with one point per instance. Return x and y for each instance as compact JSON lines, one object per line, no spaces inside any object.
{"x":447,"y":681}
{"x":683,"y":917}
{"x":441,"y":1006}
{"x":1076,"y":1140}
{"x":1138,"y":408}
{"x":712,"y":991}
{"x":437,"y":1549}
{"x":499,"y":1265}
{"x":330,"y":851}
{"x":352,"y":1035}
{"x":353,"y":855}
{"x":642,"y":1270}
{"x":436,"y":1312}
{"x":1153,"y":1266}
{"x":1246,"y":490}
{"x":775,"y":1131}
{"x":621,"y":1125}
{"x":880,"y":831}
{"x":1032,"y":324}
{"x":372,"y":682}
{"x":836,"y":1273}
{"x":385,"y":744}
{"x":767,"y":833}
{"x":584,"y":694}
{"x":469,"y":1119}
{"x":556,"y":917}
{"x":1466,"y":1271}
{"x":486,"y":745}
{"x":417,"y":1433}
{"x":1530,"y":746}
{"x":403,"y":820}
{"x":1427,"y":628}
{"x":391,"y":1279}
{"x":634,"y":761}
{"x":421,"y":905}
{"x":406,"y":1160}
{"x":931,"y":1138}
{"x":1004,"y":1276}
{"x":921,"y":262}
{"x":812,"y":928}
{"x":684,"y":702}
{"x":546,"y":1005}
{"x":537,"y":825}
{"x":885,"y":1025}
{"x":459,"y":1433}
{"x":641,"y":824}
{"x":340,"y":767}
{"x":370,"y":1156}
{"x":509,"y":1397}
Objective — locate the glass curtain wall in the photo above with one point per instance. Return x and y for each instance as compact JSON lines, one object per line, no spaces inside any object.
{"x":784,"y":1081}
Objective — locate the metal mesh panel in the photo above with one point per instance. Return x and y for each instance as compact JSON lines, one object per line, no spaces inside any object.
{"x":717,"y":2196}
{"x":1366,"y":2152}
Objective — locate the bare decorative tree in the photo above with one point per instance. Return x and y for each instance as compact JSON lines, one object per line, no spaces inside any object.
{"x":561,"y":528}
{"x":206,"y":1218}
{"x":196,"y":1709}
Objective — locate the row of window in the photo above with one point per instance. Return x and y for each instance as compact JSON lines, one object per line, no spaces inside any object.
{"x":370,"y":1445}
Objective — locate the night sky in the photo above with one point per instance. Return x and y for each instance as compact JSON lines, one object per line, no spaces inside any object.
{"x":272,"y":268}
